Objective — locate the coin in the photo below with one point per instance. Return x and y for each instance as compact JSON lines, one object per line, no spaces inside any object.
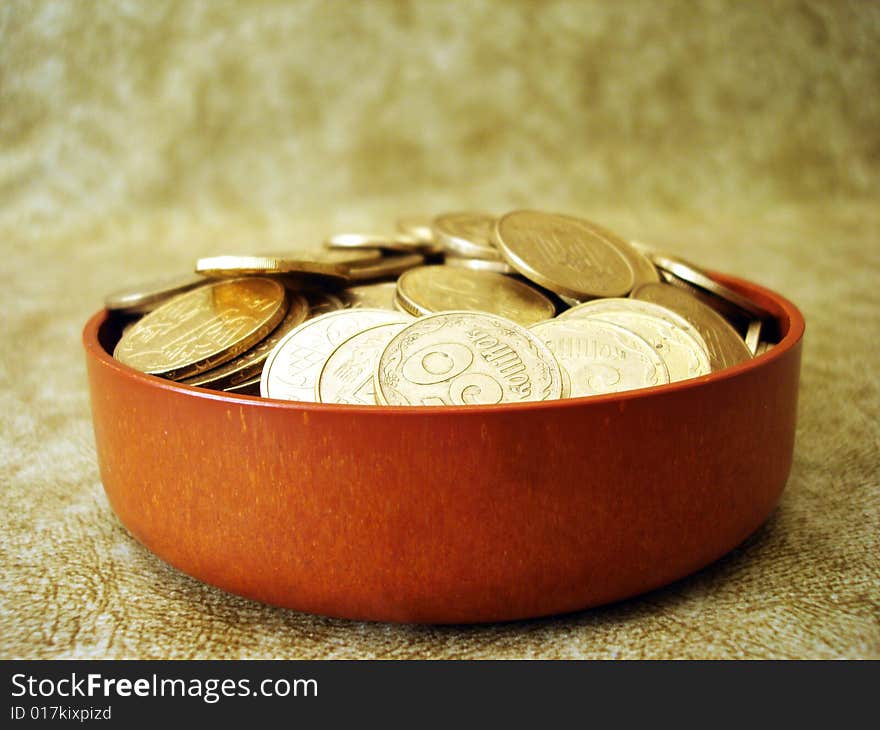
{"x":371,"y":296}
{"x":466,"y":358}
{"x":385,"y":267}
{"x":601,"y":357}
{"x":292,"y":369}
{"x":430,"y":289}
{"x":149,"y":295}
{"x":420,"y":228}
{"x":763,"y":347}
{"x":322,"y":303}
{"x":466,"y":234}
{"x":644,"y":271}
{"x":398,"y":306}
{"x":203,"y":328}
{"x":724,"y":346}
{"x":676,"y":340}
{"x":251,"y":387}
{"x":249,"y":364}
{"x":462,"y":262}
{"x":753,"y":336}
{"x":570,"y":301}
{"x":417,"y":226}
{"x":322,"y":262}
{"x":383,"y":241}
{"x":347,"y":374}
{"x":563,"y":254}
{"x":733,"y":314}
{"x":697,"y":277}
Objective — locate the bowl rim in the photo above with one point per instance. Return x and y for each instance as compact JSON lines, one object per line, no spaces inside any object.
{"x":789,"y":315}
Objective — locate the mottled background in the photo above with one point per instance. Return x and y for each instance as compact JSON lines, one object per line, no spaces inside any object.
{"x":135,"y":136}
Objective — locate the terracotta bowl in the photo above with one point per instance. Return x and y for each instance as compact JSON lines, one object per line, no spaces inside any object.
{"x":445,"y":515}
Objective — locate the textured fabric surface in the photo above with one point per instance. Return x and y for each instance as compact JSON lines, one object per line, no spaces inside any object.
{"x":135,"y":137}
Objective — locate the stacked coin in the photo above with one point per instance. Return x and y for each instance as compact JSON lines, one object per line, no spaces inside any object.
{"x":455,"y":310}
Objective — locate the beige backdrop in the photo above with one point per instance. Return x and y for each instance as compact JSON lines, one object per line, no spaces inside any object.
{"x":136,"y":136}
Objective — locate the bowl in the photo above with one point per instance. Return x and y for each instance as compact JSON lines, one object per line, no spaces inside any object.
{"x":447,"y":514}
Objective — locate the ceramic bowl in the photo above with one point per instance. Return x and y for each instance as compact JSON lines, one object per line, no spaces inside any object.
{"x":449,"y":514}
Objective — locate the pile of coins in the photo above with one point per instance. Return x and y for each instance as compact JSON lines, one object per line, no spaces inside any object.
{"x":460,"y":309}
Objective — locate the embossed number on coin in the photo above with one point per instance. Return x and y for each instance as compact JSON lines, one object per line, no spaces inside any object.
{"x":466,"y":358}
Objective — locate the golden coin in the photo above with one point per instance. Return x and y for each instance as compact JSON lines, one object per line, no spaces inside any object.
{"x":347,"y":375}
{"x":322,"y":303}
{"x":466,"y":358}
{"x":753,"y":336}
{"x":371,"y":296}
{"x":430,"y":289}
{"x":386,"y":266}
{"x":570,"y":301}
{"x":251,"y":387}
{"x":733,"y":314}
{"x":676,"y":340}
{"x":601,"y":357}
{"x":203,"y":328}
{"x":420,"y":228}
{"x":292,"y":369}
{"x":146,"y":297}
{"x":693,"y":275}
{"x":644,"y":271}
{"x":312,"y":256}
{"x":384,"y":241}
{"x":417,"y":226}
{"x":724,"y":346}
{"x":563,"y":254}
{"x":399,"y":307}
{"x":462,"y":262}
{"x":466,"y":234}
{"x":321,"y":262}
{"x":249,"y":364}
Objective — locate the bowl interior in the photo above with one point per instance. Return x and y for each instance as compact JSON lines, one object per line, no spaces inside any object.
{"x":786,"y":327}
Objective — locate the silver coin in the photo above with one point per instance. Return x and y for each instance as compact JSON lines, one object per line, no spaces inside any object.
{"x":466,"y":358}
{"x":291,"y":370}
{"x":601,"y":357}
{"x":753,"y":335}
{"x":676,"y":340}
{"x":347,"y":374}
